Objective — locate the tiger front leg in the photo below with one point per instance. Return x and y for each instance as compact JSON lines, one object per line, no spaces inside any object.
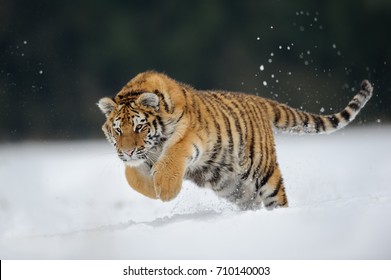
{"x":141,"y":181}
{"x":169,"y":170}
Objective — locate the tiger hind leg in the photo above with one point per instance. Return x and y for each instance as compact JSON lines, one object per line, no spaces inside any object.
{"x":272,"y":193}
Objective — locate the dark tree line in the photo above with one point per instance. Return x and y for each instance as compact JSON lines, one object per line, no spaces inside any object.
{"x":57,"y":58}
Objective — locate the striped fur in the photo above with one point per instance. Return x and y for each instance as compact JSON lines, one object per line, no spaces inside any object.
{"x":166,"y":131}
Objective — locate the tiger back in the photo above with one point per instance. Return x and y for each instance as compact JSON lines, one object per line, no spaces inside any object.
{"x":166,"y":131}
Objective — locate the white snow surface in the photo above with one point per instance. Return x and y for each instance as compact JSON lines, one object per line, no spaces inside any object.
{"x":70,"y":200}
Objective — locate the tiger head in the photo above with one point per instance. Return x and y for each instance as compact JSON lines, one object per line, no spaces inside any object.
{"x":133,"y":126}
{"x":145,"y":114}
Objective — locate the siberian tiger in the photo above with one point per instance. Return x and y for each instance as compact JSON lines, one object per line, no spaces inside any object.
{"x":166,"y":131}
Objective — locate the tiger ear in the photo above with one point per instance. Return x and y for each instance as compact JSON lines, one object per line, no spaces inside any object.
{"x":106,"y":105}
{"x":149,"y":99}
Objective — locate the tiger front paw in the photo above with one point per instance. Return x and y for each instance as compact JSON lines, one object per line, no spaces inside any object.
{"x":167,"y":181}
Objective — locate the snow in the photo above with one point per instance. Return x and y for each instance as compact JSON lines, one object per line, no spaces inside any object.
{"x":70,"y":200}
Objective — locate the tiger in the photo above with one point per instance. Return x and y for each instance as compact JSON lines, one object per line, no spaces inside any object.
{"x":166,"y":132}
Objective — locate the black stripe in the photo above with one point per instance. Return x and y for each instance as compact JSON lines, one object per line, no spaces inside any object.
{"x":354,"y":106}
{"x":306,"y":120}
{"x":208,"y":101}
{"x":219,"y":110}
{"x":346,"y":115}
{"x":227,"y":125}
{"x":366,"y":88}
{"x":319,"y":124}
{"x":160,"y":122}
{"x":198,"y":110}
{"x":154,"y":124}
{"x":287,"y":121}
{"x":270,"y":203}
{"x":258,"y":141}
{"x":277,"y":189}
{"x":259,"y":152}
{"x":289,"y":118}
{"x":263,"y":141}
{"x":230,"y":136}
{"x":251,"y":144}
{"x":294,"y":119}
{"x":264,"y":132}
{"x":217,"y":145}
{"x":277,"y":115}
{"x":245,"y":120}
{"x":180,"y":117}
{"x":364,"y":93}
{"x":265,"y":178}
{"x":197,"y":150}
{"x":216,"y":175}
{"x":237,"y":123}
{"x":165,"y":104}
{"x":184,"y":93}
{"x":333,"y":120}
{"x":135,"y":93}
{"x":232,"y":115}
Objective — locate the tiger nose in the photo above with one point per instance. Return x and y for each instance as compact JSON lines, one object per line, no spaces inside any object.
{"x":129,"y":152}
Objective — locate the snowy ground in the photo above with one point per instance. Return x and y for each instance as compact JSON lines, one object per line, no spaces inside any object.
{"x":71,"y":201}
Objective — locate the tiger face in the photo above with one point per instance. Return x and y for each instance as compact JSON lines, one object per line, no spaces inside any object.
{"x":134,"y":128}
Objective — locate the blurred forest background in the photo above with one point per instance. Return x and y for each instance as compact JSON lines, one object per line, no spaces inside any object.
{"x":57,"y":58}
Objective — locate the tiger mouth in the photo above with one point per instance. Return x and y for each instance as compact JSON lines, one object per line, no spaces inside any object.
{"x":133,"y":160}
{"x":131,"y":157}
